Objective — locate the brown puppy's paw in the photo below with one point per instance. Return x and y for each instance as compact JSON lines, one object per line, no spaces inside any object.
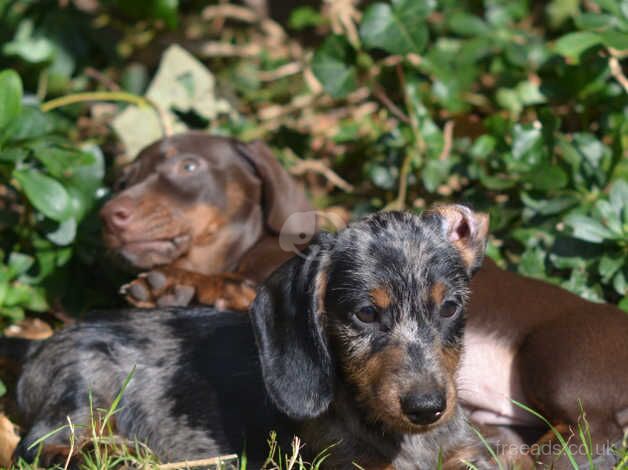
{"x":157,"y":289}
{"x":234,"y":294}
{"x":169,"y":287}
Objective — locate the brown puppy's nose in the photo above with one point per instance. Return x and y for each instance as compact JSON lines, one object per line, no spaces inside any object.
{"x":425,"y":408}
{"x":117,"y":213}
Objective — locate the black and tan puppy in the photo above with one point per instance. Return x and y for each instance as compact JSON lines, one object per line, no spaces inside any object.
{"x":358,"y":341}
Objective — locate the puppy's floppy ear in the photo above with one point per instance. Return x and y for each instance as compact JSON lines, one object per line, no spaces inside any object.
{"x":288,"y":322}
{"x":465,"y":229}
{"x":282,"y":195}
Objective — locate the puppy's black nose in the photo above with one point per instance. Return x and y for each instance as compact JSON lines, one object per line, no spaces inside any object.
{"x":425,"y":408}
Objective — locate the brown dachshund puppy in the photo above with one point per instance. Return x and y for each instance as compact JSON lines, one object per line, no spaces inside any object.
{"x":202,"y":214}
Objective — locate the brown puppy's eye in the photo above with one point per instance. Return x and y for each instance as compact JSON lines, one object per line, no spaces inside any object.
{"x":449,"y":309}
{"x":189,"y":165}
{"x":367,"y":314}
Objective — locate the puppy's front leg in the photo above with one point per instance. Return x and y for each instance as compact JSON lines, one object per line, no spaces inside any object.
{"x":170,"y":287}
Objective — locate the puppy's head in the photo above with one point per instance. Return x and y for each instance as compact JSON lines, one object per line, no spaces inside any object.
{"x":377,"y":308}
{"x":197,"y":196}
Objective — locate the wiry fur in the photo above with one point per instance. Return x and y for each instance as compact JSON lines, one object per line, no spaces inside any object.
{"x":200,"y":387}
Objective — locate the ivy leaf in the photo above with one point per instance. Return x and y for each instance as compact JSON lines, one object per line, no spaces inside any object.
{"x":45,"y":193}
{"x":333,"y":66}
{"x":10,"y":97}
{"x":398,"y":28}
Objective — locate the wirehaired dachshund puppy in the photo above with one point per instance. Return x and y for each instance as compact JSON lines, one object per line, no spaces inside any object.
{"x":358,"y":342}
{"x":202,"y":214}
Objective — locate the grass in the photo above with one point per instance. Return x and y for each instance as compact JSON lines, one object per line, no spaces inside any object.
{"x":100,"y":449}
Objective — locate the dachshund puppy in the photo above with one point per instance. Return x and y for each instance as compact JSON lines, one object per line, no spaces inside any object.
{"x":358,"y":341}
{"x":202,"y":213}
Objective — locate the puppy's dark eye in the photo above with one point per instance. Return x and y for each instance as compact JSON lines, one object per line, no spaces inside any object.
{"x":367,"y":314}
{"x":189,"y":165}
{"x":449,"y":309}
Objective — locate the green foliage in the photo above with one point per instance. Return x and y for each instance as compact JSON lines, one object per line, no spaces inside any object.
{"x":48,"y":187}
{"x":539,"y":126}
{"x":397,"y":28}
{"x":517,"y":110}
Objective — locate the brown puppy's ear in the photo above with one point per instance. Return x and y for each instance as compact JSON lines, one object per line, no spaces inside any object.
{"x":282,"y":195}
{"x":466,"y":230}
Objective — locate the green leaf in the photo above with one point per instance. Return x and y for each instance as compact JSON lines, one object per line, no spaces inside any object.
{"x":619,"y":283}
{"x":28,"y":46}
{"x":3,"y":389}
{"x":45,"y":193}
{"x":618,"y":195}
{"x":605,"y":212}
{"x":467,"y":25}
{"x":483,"y":147}
{"x":546,"y":177}
{"x":333,"y":66}
{"x":532,"y":263}
{"x":60,"y":162}
{"x":548,"y":206}
{"x":19,"y":263}
{"x":527,"y":146}
{"x":609,"y":266}
{"x":166,"y":10}
{"x":574,"y":44}
{"x":615,"y":39}
{"x":33,"y":123}
{"x":595,"y":21}
{"x":64,"y":234}
{"x":13,"y":313}
{"x":588,"y":229}
{"x":399,"y":28}
{"x":304,"y":17}
{"x":10,"y":97}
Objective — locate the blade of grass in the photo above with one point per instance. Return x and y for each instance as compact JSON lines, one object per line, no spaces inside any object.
{"x":558,"y":435}
{"x":584,"y":432}
{"x":490,"y":449}
{"x":116,"y":401}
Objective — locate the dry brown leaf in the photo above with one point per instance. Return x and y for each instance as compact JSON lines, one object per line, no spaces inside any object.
{"x":29,"y":328}
{"x":8,"y":441}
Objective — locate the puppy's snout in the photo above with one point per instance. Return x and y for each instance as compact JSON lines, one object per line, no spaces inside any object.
{"x":117,"y":213}
{"x":424,"y":408}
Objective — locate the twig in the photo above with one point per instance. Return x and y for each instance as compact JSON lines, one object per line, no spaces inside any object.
{"x":316,"y":166}
{"x":392,"y":107}
{"x":246,"y":15}
{"x":284,"y":71}
{"x":230,"y":11}
{"x":399,"y":203}
{"x":448,"y":136}
{"x":102,"y":78}
{"x":220,"y":49}
{"x":197,"y":463}
{"x":616,"y":71}
{"x":164,"y":119}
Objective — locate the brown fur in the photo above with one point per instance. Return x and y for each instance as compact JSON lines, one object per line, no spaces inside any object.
{"x":221,"y":217}
{"x":381,"y":297}
{"x":438,"y":293}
